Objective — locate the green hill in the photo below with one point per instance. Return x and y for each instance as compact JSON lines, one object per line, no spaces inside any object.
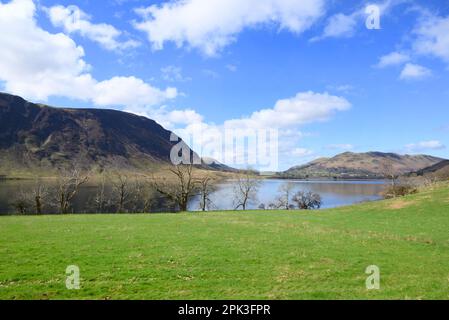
{"x":230,"y":255}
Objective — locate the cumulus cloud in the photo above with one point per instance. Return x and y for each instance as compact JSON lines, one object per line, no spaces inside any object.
{"x":303,"y":108}
{"x":211,"y":25}
{"x":73,"y":20}
{"x":170,"y":119}
{"x":414,"y":72}
{"x":286,"y":118}
{"x":425,"y":145}
{"x":433,"y":37}
{"x":37,"y":64}
{"x":129,"y":91}
{"x":393,"y":59}
{"x":340,"y":26}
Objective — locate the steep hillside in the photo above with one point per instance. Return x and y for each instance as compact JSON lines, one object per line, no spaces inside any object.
{"x":440,"y":171}
{"x":34,"y":136}
{"x":361,"y":165}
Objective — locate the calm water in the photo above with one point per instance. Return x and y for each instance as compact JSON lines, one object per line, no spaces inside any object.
{"x":333,"y":193}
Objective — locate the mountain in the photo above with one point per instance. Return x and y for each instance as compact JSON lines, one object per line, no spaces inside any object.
{"x":368,"y":165}
{"x":40,"y":137}
{"x":439,"y":171}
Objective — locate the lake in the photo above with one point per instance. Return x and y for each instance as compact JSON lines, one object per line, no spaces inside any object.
{"x":333,"y":194}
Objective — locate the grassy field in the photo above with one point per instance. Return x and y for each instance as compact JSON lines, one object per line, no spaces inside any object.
{"x":253,"y":255}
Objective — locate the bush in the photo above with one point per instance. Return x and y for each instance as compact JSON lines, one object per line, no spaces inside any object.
{"x":399,"y":191}
{"x":307,"y":200}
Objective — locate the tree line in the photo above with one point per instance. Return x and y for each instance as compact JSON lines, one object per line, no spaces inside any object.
{"x":115,"y":191}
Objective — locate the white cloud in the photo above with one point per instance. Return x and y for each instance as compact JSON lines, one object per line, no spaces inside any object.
{"x":433,"y":37}
{"x":37,"y":64}
{"x":340,"y":26}
{"x":173,"y":74}
{"x":303,"y":108}
{"x":425,"y":145}
{"x":286,"y":117}
{"x":170,"y":119}
{"x":393,"y":59}
{"x":74,"y":20}
{"x":129,"y":91}
{"x":211,"y":25}
{"x":414,"y":72}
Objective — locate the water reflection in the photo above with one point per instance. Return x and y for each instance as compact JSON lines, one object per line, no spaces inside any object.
{"x":333,"y":193}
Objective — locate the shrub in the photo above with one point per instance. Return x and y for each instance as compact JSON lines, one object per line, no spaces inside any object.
{"x":307,"y":200}
{"x":399,"y":191}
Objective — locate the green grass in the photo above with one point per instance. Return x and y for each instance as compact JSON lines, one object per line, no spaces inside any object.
{"x":253,"y":255}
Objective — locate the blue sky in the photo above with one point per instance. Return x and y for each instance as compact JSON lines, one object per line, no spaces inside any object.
{"x":337,"y":85}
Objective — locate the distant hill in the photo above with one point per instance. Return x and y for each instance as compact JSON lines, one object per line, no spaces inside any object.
{"x":439,"y":170}
{"x":39,"y":137}
{"x":370,"y":165}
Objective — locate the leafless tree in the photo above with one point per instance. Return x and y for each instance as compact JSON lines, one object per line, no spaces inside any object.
{"x":101,"y":201}
{"x":206,"y":187}
{"x":39,"y":194}
{"x":307,"y":200}
{"x":388,"y":171}
{"x":141,"y":195}
{"x":245,"y":190}
{"x":271,"y":206}
{"x":31,"y":200}
{"x":181,"y":188}
{"x":121,"y":190}
{"x":68,"y":184}
{"x":286,"y":191}
{"x":21,"y":202}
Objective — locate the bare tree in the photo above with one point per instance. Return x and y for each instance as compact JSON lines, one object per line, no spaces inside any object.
{"x":21,"y":202}
{"x":121,"y":190}
{"x":100,"y":202}
{"x":245,"y":190}
{"x":307,"y":200}
{"x":271,"y":206}
{"x":31,"y":200}
{"x":286,"y":191}
{"x":68,"y":184}
{"x":206,"y":188}
{"x":181,"y":189}
{"x":388,"y":171}
{"x":39,"y":194}
{"x":141,"y":195}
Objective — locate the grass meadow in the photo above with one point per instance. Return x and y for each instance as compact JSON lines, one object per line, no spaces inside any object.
{"x":234,"y":255}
